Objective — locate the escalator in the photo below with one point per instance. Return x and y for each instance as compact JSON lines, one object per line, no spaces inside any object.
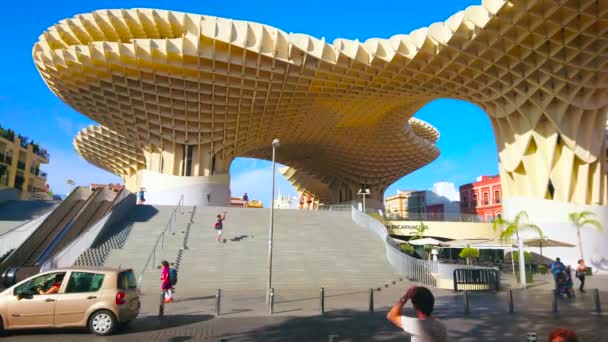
{"x":74,"y":215}
{"x":101,"y":202}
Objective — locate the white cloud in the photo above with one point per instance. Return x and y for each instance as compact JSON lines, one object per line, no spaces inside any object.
{"x":447,"y":190}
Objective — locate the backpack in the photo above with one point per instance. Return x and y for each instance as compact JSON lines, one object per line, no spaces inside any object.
{"x":218,"y":225}
{"x":173,"y":276}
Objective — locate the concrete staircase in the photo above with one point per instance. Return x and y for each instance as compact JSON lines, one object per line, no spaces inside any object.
{"x":312,"y":249}
{"x":147,"y":222}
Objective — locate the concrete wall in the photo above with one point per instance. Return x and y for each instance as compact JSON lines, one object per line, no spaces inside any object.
{"x":162,"y":189}
{"x":552,"y":217}
{"x":449,"y":230}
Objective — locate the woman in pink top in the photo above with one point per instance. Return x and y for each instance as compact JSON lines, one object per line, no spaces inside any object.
{"x":165,"y":282}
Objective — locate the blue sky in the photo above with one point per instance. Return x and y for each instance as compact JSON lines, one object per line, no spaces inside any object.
{"x":27,"y":106}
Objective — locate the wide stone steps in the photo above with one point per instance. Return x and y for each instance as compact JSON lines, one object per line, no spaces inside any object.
{"x":310,"y":250}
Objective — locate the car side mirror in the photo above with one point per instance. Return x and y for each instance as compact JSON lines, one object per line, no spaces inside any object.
{"x":25,"y":295}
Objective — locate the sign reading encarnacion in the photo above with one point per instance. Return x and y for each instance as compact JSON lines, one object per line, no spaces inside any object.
{"x":449,"y":230}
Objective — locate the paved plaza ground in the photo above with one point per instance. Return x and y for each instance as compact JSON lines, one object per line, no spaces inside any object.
{"x":244,"y":316}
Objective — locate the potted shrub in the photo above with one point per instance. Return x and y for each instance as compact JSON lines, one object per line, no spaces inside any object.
{"x":407,"y":248}
{"x":469,"y":254}
{"x":542,"y":269}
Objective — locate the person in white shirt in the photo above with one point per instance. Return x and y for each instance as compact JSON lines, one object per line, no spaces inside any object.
{"x":422,"y":328}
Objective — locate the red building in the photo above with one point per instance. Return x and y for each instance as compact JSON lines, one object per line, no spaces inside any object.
{"x":482,"y":198}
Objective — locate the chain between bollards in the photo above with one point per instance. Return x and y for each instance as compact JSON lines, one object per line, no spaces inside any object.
{"x":271,"y":302}
{"x":218,"y":298}
{"x":596,"y":299}
{"x":322,"y":300}
{"x":511,"y":308}
{"x":161,"y":306}
{"x":466,"y":302}
{"x":371,"y":300}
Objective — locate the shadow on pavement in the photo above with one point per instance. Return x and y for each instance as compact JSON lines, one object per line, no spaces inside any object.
{"x":352,"y":325}
{"x":140,"y":325}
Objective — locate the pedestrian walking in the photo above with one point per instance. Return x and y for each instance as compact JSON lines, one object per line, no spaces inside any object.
{"x":219,"y":225}
{"x":580,"y":274}
{"x":141,"y":193}
{"x":423,"y":327}
{"x":557,"y":268}
{"x":165,"y":282}
{"x":245,"y":200}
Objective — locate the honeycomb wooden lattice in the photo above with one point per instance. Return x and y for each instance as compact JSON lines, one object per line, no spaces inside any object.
{"x":160,"y":80}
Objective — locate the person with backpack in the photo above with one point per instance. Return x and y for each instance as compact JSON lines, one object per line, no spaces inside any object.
{"x":219,"y":226}
{"x":165,"y":282}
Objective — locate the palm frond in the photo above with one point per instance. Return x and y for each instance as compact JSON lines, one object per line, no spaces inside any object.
{"x":508,"y":233}
{"x":594,"y":223}
{"x":520,"y":215}
{"x":499,"y":222}
{"x":532,"y":227}
{"x":574,"y":218}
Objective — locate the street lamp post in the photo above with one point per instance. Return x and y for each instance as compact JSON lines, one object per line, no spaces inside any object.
{"x":275,"y":143}
{"x":69,"y":182}
{"x":364,"y":193}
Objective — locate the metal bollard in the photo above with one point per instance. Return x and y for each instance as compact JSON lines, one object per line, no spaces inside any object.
{"x":554,"y":305}
{"x":371,"y":300}
{"x":322,"y":301}
{"x":510,"y":298}
{"x":596,"y":299}
{"x":218,"y":297}
{"x":271,"y":304}
{"x":466,"y":302}
{"x":161,"y":307}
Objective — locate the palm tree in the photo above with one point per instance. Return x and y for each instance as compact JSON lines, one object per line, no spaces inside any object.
{"x":513,"y":228}
{"x":420,"y":230}
{"x":582,"y":219}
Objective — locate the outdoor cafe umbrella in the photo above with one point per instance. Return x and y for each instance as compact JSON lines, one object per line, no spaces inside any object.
{"x":545,"y":243}
{"x":425,"y":241}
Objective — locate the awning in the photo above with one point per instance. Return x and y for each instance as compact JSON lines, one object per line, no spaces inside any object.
{"x":542,"y":243}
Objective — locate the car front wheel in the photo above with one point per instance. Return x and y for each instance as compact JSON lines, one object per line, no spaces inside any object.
{"x":102,"y":323}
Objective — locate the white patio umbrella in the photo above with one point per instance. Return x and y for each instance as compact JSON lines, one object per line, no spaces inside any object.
{"x":425,"y":241}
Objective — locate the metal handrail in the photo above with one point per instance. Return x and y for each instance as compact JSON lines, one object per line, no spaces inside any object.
{"x":161,"y":239}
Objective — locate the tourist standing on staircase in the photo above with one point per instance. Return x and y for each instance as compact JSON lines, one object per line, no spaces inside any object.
{"x":165,"y":282}
{"x":219,"y":225}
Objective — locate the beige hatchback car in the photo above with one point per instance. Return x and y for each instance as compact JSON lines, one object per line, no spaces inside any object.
{"x":101,"y":299}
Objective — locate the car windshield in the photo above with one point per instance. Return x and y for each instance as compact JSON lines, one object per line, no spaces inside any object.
{"x":126,"y":280}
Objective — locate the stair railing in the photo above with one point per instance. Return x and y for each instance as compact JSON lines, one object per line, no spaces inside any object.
{"x":151,"y":261}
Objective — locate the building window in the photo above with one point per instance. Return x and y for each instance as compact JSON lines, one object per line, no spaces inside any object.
{"x":498,"y":215}
{"x":474,"y":201}
{"x":486,"y":198}
{"x":497,"y":196}
{"x":489,"y":218}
